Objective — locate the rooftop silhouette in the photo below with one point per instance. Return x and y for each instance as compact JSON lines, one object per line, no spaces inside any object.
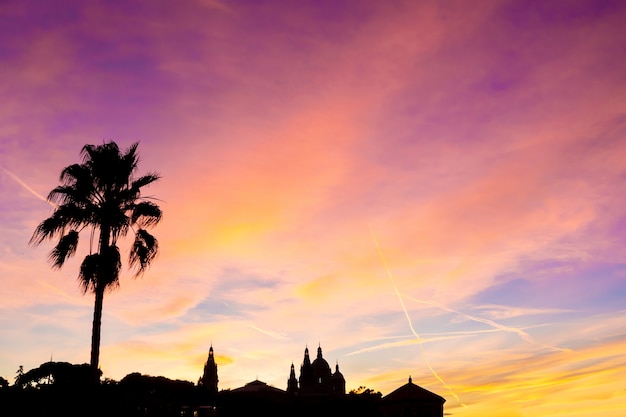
{"x":60,"y":388}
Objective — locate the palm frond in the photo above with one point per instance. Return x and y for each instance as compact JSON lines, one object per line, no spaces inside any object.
{"x":79,"y":182}
{"x":64,"y":194}
{"x":75,"y":173}
{"x":88,"y":273}
{"x":48,"y":228}
{"x":119,"y":221}
{"x":145,"y":180}
{"x":129,"y":160}
{"x":66,"y":215}
{"x":143,"y":252}
{"x":61,"y":194}
{"x":103,"y":162}
{"x":45,"y":230}
{"x":101,"y":270}
{"x":87,"y":152}
{"x":64,"y":249}
{"x":110,"y":267}
{"x":146,"y":214}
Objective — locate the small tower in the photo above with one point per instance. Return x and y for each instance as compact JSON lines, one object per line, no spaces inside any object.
{"x":292,"y":383}
{"x":307,"y":378}
{"x":209,"y":377}
{"x":338,"y":381}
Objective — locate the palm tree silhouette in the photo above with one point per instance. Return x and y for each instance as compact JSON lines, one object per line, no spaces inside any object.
{"x":101,"y":194}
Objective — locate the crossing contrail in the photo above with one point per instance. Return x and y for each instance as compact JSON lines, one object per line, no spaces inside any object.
{"x":26,"y":186}
{"x":408,"y":318}
{"x":525,"y":336}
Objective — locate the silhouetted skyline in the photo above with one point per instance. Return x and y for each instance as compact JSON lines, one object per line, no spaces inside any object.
{"x":366,"y":174}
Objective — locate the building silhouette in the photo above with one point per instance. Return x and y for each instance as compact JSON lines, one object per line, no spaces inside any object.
{"x":411,"y":400}
{"x":316,"y":377}
{"x":65,"y":389}
{"x":317,"y":391}
{"x":209,"y":380}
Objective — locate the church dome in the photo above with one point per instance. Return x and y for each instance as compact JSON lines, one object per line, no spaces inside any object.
{"x":338,"y":376}
{"x":338,"y":382}
{"x":316,"y":377}
{"x":319,"y":365}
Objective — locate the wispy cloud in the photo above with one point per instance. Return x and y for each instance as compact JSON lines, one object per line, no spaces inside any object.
{"x":501,"y":312}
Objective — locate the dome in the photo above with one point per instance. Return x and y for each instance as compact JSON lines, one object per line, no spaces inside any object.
{"x":316,"y":377}
{"x":338,"y":382}
{"x":319,"y":365}
{"x":337,"y":376}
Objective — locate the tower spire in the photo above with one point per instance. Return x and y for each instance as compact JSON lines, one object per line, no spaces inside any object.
{"x":292,"y":382}
{"x":209,"y":378}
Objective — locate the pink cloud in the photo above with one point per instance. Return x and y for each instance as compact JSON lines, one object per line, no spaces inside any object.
{"x":475,"y":144}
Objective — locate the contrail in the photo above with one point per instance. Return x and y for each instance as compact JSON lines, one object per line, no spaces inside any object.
{"x":27,"y":187}
{"x":403,"y":343}
{"x":408,"y":318}
{"x":269,"y":333}
{"x":55,"y":289}
{"x":491,"y":323}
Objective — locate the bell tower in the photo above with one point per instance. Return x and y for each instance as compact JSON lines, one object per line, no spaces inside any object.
{"x":209,"y":377}
{"x":307,"y":378}
{"x":292,"y":382}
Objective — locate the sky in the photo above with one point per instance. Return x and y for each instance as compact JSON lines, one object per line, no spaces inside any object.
{"x":422,"y":188}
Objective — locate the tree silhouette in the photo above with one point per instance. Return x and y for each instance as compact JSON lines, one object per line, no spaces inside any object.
{"x":61,"y":374}
{"x":102,"y":195}
{"x":19,"y":372}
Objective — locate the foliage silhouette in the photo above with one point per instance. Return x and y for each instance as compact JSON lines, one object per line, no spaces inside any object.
{"x":61,"y":388}
{"x":364,"y":390}
{"x":103,"y":195}
{"x":19,"y":372}
{"x":61,"y":374}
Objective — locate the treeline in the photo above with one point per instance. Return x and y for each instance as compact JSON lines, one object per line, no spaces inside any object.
{"x":60,"y":388}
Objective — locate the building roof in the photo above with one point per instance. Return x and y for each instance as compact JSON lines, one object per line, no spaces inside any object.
{"x":253,"y":395}
{"x":412,"y":392}
{"x":257,"y":386}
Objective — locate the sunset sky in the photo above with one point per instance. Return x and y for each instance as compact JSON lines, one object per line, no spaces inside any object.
{"x":424,"y":188}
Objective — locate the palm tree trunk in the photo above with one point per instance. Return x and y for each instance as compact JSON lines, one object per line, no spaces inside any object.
{"x":95,"y":329}
{"x":97,"y":308}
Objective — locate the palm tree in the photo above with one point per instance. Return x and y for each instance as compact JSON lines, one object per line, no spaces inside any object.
{"x":102,"y":195}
